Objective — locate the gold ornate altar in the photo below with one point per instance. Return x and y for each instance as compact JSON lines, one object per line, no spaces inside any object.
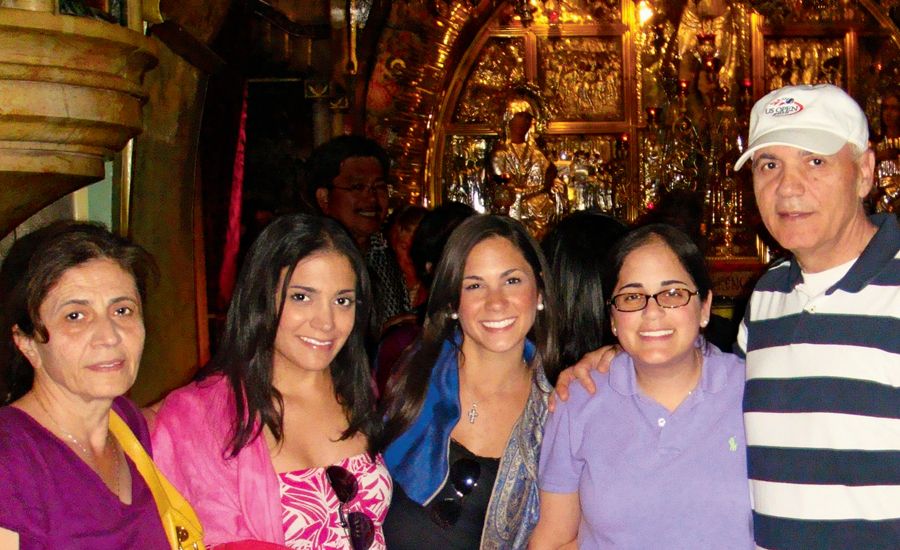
{"x":639,"y":96}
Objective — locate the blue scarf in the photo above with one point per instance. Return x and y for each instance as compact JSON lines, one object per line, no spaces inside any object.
{"x":418,"y":459}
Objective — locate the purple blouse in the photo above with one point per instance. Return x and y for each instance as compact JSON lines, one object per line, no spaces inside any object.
{"x":52,"y":499}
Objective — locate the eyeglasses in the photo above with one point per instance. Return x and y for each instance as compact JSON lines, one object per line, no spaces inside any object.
{"x":362,"y":188}
{"x":358,"y":525}
{"x":464,"y":474}
{"x":636,"y":301}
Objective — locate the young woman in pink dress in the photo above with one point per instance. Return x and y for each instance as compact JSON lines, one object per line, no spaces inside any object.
{"x":271,"y":443}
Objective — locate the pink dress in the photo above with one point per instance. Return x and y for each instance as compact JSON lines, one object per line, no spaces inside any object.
{"x":310,"y":506}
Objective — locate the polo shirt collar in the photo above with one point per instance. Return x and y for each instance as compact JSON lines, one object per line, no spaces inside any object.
{"x":880,"y":250}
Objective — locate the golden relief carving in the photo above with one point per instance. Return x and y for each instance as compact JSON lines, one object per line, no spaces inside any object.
{"x":582,"y":78}
{"x":791,"y":61}
{"x":578,"y":11}
{"x":464,"y":173}
{"x":655,"y":63}
{"x":785,"y":13}
{"x":819,"y":11}
{"x":886,"y":194}
{"x":593,"y":169}
{"x":883,"y":75}
{"x":650,"y":179}
{"x":883,"y":110}
{"x":500,"y":67}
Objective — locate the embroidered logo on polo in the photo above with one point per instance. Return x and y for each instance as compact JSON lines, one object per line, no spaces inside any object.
{"x":732,"y":444}
{"x":783,"y":106}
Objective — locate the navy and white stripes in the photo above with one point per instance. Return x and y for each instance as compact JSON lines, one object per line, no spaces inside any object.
{"x":822,"y":404}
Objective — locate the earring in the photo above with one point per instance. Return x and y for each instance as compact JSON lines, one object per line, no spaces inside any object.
{"x":615,"y":333}
{"x":454,"y":316}
{"x":704,"y":322}
{"x":540,"y":306}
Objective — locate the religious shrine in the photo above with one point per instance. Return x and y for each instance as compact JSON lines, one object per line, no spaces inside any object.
{"x":541,"y":108}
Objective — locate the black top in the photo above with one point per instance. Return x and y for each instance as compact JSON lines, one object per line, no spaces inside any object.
{"x":410,"y":526}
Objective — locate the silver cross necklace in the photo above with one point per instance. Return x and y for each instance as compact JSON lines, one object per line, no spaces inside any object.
{"x":473,"y":410}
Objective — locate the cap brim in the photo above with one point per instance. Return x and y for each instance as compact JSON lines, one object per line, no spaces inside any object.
{"x":819,"y":142}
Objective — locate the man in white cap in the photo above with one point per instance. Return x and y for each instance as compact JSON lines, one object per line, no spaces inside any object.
{"x":821,"y":334}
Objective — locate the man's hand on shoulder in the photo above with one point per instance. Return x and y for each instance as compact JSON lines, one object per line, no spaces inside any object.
{"x":598,"y":360}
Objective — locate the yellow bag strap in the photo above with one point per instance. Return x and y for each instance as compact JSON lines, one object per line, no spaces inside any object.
{"x":165,"y":494}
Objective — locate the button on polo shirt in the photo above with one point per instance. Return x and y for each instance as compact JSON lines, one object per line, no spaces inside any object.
{"x":672,"y":429}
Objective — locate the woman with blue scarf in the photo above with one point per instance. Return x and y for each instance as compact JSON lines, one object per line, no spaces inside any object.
{"x":465,"y":415}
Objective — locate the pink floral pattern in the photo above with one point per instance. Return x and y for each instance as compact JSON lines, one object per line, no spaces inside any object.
{"x":310,"y":507}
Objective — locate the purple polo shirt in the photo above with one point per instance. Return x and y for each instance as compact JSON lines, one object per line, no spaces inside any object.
{"x":648,"y":478}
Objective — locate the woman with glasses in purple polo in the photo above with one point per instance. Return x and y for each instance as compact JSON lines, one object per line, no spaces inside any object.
{"x":271,"y":443}
{"x":657,"y":458}
{"x":465,"y":413}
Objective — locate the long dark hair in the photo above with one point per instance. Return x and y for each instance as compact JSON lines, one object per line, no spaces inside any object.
{"x":406,"y":396}
{"x":576,"y":250}
{"x":245,"y":351}
{"x":35,"y":263}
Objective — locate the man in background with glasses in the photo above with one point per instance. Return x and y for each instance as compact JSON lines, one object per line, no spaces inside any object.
{"x":348,"y":180}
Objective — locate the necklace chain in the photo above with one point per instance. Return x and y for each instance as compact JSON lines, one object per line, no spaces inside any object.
{"x":472,"y":413}
{"x":84,"y":449}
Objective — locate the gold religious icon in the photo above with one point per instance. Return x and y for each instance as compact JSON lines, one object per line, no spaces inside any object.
{"x":888,"y":195}
{"x":707,"y":31}
{"x":887,"y":155}
{"x":525,"y":183}
{"x":886,"y":192}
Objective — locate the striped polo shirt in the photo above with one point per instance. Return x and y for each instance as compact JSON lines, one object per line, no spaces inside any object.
{"x":822,"y":403}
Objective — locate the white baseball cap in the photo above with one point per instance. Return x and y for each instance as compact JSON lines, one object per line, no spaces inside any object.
{"x":820,"y":119}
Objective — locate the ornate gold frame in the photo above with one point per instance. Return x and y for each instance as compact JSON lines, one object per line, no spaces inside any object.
{"x":444,"y":126}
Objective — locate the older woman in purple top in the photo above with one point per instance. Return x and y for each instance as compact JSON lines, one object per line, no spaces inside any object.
{"x":72,"y":296}
{"x":657,"y":458}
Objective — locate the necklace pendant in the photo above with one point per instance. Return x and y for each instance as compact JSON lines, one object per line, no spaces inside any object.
{"x":473,"y":412}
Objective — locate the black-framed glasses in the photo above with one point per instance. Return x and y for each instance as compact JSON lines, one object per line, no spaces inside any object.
{"x":636,"y":301}
{"x":362,"y":188}
{"x":464,"y":474}
{"x":358,"y":525}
